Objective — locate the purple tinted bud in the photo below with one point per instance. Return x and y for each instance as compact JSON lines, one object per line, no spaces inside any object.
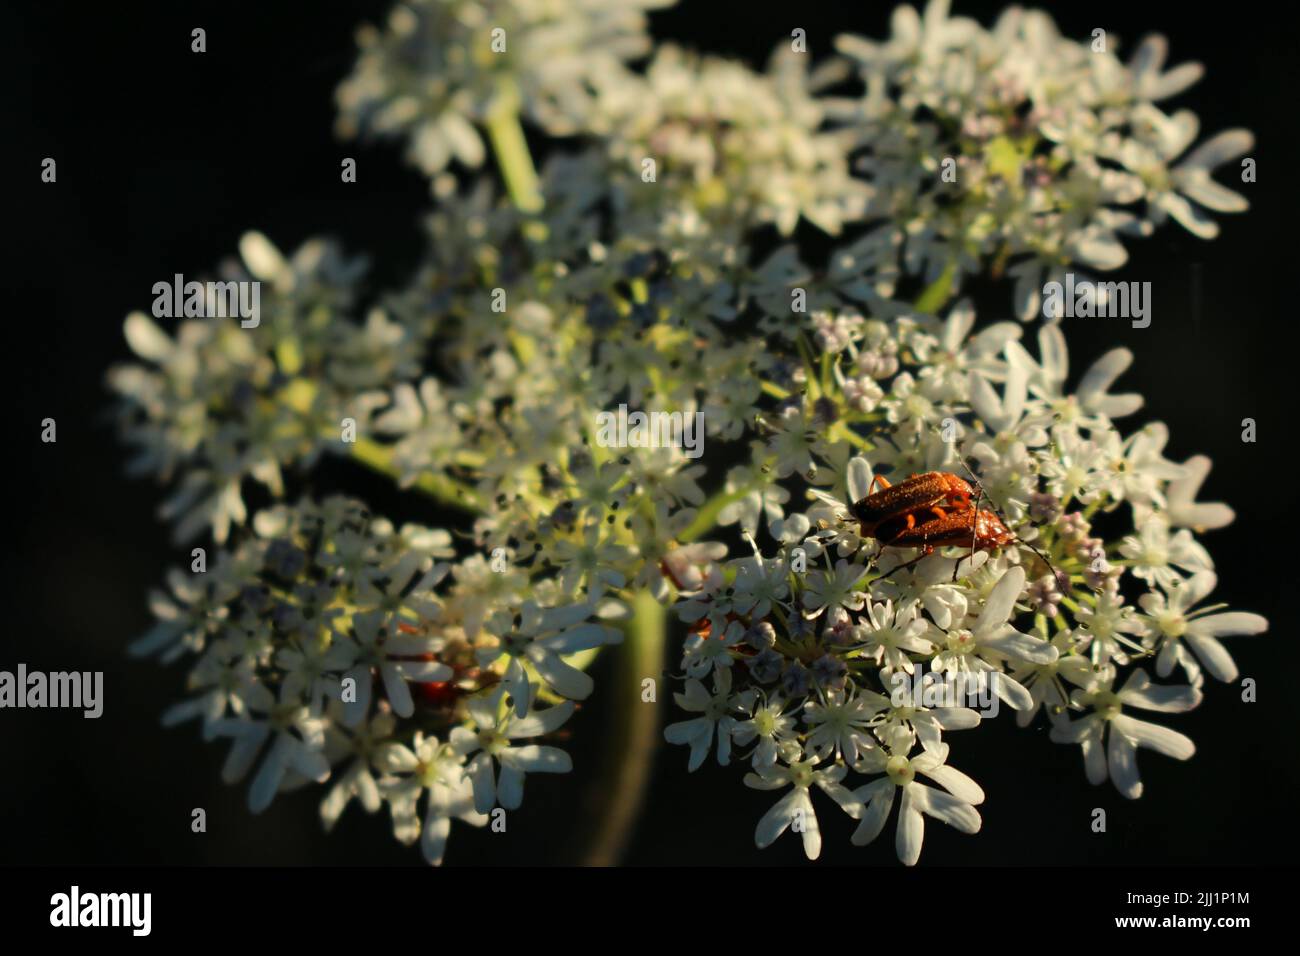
{"x":796,"y":681}
{"x":829,"y":671}
{"x":1073,"y":526}
{"x":761,"y":636}
{"x":765,"y":667}
{"x":1044,"y":507}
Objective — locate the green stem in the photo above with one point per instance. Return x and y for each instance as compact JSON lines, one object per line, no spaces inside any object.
{"x":634,"y":735}
{"x":707,"y":516}
{"x":938,"y":292}
{"x":299,"y":395}
{"x":440,"y":487}
{"x":511,"y":150}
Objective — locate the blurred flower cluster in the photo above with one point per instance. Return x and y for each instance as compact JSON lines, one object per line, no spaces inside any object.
{"x":1055,"y":147}
{"x":440,"y":67}
{"x":652,"y":262}
{"x":331,"y":646}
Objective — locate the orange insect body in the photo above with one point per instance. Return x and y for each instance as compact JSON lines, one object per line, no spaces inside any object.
{"x":979,"y":530}
{"x":917,"y":499}
{"x":930,"y":511}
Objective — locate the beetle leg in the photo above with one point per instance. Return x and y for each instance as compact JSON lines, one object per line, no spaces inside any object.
{"x":926,"y":551}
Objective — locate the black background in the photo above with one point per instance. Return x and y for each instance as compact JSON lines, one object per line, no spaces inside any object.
{"x":166,"y":157}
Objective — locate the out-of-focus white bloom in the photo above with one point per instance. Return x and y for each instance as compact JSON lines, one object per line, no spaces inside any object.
{"x":438,"y":69}
{"x":496,"y":766}
{"x":438,"y":769}
{"x":1016,"y":145}
{"x":296,"y":744}
{"x":542,"y":637}
{"x":377,"y":650}
{"x":733,"y":141}
{"x":1183,"y":510}
{"x":717,"y":718}
{"x":363,"y":747}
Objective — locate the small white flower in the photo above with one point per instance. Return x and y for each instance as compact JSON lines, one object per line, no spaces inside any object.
{"x":1044,"y":681}
{"x":1181,"y":632}
{"x":431,"y":766}
{"x":795,"y":810}
{"x":375,"y":649}
{"x":1103,"y":626}
{"x":891,"y":635}
{"x":297,"y":741}
{"x":954,"y":805}
{"x":363,"y":747}
{"x":829,"y":590}
{"x":716,"y":719}
{"x":311,"y":670}
{"x":759,"y":585}
{"x":839,"y":726}
{"x":542,"y":637}
{"x":994,"y":640}
{"x":1155,"y":553}
{"x":1119,"y":759}
{"x":705,"y":652}
{"x":907,"y":709}
{"x":1182,"y":508}
{"x":496,"y":766}
{"x":772,"y":726}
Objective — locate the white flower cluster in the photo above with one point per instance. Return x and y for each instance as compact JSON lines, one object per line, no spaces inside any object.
{"x":409,"y":667}
{"x":331,"y":647}
{"x":1054,"y":148}
{"x":441,"y":66}
{"x":736,"y":148}
{"x":223,"y":403}
{"x":846,"y":653}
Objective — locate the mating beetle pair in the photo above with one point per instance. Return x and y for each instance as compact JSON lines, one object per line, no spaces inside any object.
{"x":928,"y":511}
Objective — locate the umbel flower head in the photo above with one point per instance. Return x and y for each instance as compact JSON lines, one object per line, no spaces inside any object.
{"x":849,"y":655}
{"x":440,"y":67}
{"x":1018,"y":149}
{"x":432,"y":673}
{"x":328,"y":642}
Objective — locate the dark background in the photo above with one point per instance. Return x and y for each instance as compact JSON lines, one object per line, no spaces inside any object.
{"x":165,"y":157}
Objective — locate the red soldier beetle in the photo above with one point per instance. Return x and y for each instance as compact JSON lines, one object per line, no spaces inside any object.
{"x":974,"y":528}
{"x":919,"y":494}
{"x":911,"y":514}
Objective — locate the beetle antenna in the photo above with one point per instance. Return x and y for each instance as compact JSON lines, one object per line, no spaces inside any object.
{"x":1056,"y":575}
